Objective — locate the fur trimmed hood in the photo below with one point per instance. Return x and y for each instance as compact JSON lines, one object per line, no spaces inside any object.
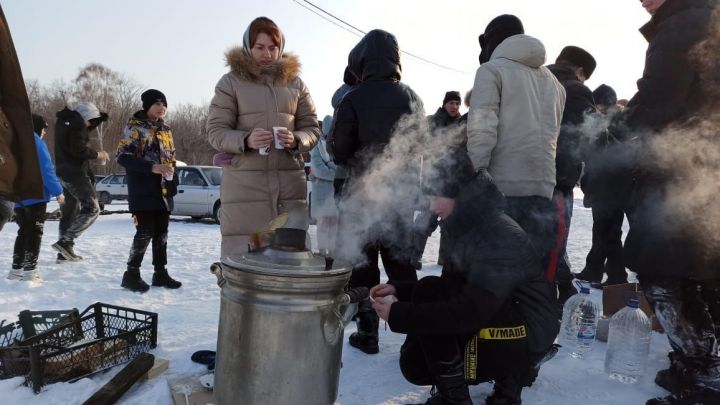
{"x":286,"y":70}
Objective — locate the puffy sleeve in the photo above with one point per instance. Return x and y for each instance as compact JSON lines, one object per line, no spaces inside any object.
{"x":483,"y":117}
{"x":307,"y":130}
{"x":222,"y":119}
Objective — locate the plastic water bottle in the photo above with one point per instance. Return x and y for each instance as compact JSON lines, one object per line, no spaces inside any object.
{"x":628,"y":344}
{"x":580,"y":318}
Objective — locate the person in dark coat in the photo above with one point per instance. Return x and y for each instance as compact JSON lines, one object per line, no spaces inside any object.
{"x":446,"y":124}
{"x":572,"y":68}
{"x":20,"y":176}
{"x":72,"y":160}
{"x":349,"y":80}
{"x":365,"y":123}
{"x":608,"y":210}
{"x":489,"y":316}
{"x":30,"y":213}
{"x":147,"y":151}
{"x":671,"y":243}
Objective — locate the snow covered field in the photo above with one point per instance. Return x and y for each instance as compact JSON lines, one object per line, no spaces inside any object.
{"x":188,"y":321}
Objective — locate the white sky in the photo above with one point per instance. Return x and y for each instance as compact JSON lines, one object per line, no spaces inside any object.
{"x":177,"y":46}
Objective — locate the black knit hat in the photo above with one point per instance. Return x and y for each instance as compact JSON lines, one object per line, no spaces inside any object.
{"x":500,"y":28}
{"x":452,"y":96}
{"x":578,"y":57}
{"x":39,"y":123}
{"x":605,"y":95}
{"x":151,"y":97}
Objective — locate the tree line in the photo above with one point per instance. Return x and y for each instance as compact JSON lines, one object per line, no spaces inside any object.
{"x":119,"y":96}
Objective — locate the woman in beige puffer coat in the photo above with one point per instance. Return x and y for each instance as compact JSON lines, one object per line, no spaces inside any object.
{"x":261,"y":91}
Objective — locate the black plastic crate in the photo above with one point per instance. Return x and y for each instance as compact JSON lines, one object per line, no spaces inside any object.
{"x":102,"y":336}
{"x":30,"y":323}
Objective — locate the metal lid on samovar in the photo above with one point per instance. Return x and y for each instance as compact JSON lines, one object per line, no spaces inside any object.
{"x":286,"y":256}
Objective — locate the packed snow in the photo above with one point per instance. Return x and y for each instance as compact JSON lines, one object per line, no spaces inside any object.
{"x":188,"y":320}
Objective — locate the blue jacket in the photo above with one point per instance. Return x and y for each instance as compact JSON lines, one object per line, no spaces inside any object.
{"x":51,"y":184}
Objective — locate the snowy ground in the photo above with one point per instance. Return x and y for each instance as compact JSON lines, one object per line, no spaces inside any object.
{"x":188,"y":321}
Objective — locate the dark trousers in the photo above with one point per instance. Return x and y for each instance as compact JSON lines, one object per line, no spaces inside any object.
{"x":80,"y":209}
{"x":538,"y":218}
{"x":563,"y":201}
{"x":681,"y":307}
{"x":150,"y":226}
{"x":424,"y":358}
{"x":396,"y":260}
{"x":606,"y":253}
{"x":6,"y":211}
{"x":424,"y":225}
{"x":31,"y":221}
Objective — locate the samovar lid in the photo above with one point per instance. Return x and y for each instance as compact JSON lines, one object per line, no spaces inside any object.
{"x":286,"y":256}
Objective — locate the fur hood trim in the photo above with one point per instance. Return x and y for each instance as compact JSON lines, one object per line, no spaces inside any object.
{"x":286,"y":70}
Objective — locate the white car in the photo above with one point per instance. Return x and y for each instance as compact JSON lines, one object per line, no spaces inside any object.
{"x":198,"y":193}
{"x":112,"y":187}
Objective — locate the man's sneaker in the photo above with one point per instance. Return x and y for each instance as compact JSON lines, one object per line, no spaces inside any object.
{"x":15,"y":274}
{"x":65,"y":249}
{"x":133,"y":282}
{"x":31,"y":275}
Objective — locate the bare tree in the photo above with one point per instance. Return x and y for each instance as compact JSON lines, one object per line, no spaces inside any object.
{"x":188,"y":122}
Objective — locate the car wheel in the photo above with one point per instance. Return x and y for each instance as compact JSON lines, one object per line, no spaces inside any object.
{"x":216,"y":212}
{"x":104,"y":198}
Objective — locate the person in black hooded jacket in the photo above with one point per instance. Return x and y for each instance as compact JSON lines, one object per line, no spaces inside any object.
{"x":489,"y":316}
{"x":72,"y":164}
{"x":365,"y":123}
{"x":669,"y":246}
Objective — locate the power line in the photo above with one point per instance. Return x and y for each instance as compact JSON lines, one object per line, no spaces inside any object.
{"x":347,"y":24}
{"x":327,"y":19}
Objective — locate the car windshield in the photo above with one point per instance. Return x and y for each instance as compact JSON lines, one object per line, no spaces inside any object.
{"x":214,"y":174}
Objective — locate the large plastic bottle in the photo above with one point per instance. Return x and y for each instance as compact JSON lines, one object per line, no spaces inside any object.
{"x":628,"y":344}
{"x":580,"y":318}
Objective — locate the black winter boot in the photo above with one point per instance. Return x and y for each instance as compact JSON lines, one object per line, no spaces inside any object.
{"x":133,"y":282}
{"x":506,"y":391}
{"x":701,"y":396}
{"x":673,"y":379}
{"x":449,"y":391}
{"x":161,"y":278}
{"x":368,"y":323}
{"x":590,"y":275}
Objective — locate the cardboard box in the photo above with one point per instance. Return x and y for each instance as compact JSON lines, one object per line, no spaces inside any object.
{"x":615,"y":298}
{"x":189,"y":391}
{"x":194,"y":398}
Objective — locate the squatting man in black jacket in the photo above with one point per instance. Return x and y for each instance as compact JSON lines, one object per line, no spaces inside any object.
{"x":489,"y":316}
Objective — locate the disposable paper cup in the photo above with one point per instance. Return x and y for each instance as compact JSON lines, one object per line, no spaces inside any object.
{"x":264,"y":151}
{"x":278,"y":142}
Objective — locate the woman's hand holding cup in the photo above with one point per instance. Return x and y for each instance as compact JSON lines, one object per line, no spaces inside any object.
{"x":284,"y":139}
{"x":259,"y":139}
